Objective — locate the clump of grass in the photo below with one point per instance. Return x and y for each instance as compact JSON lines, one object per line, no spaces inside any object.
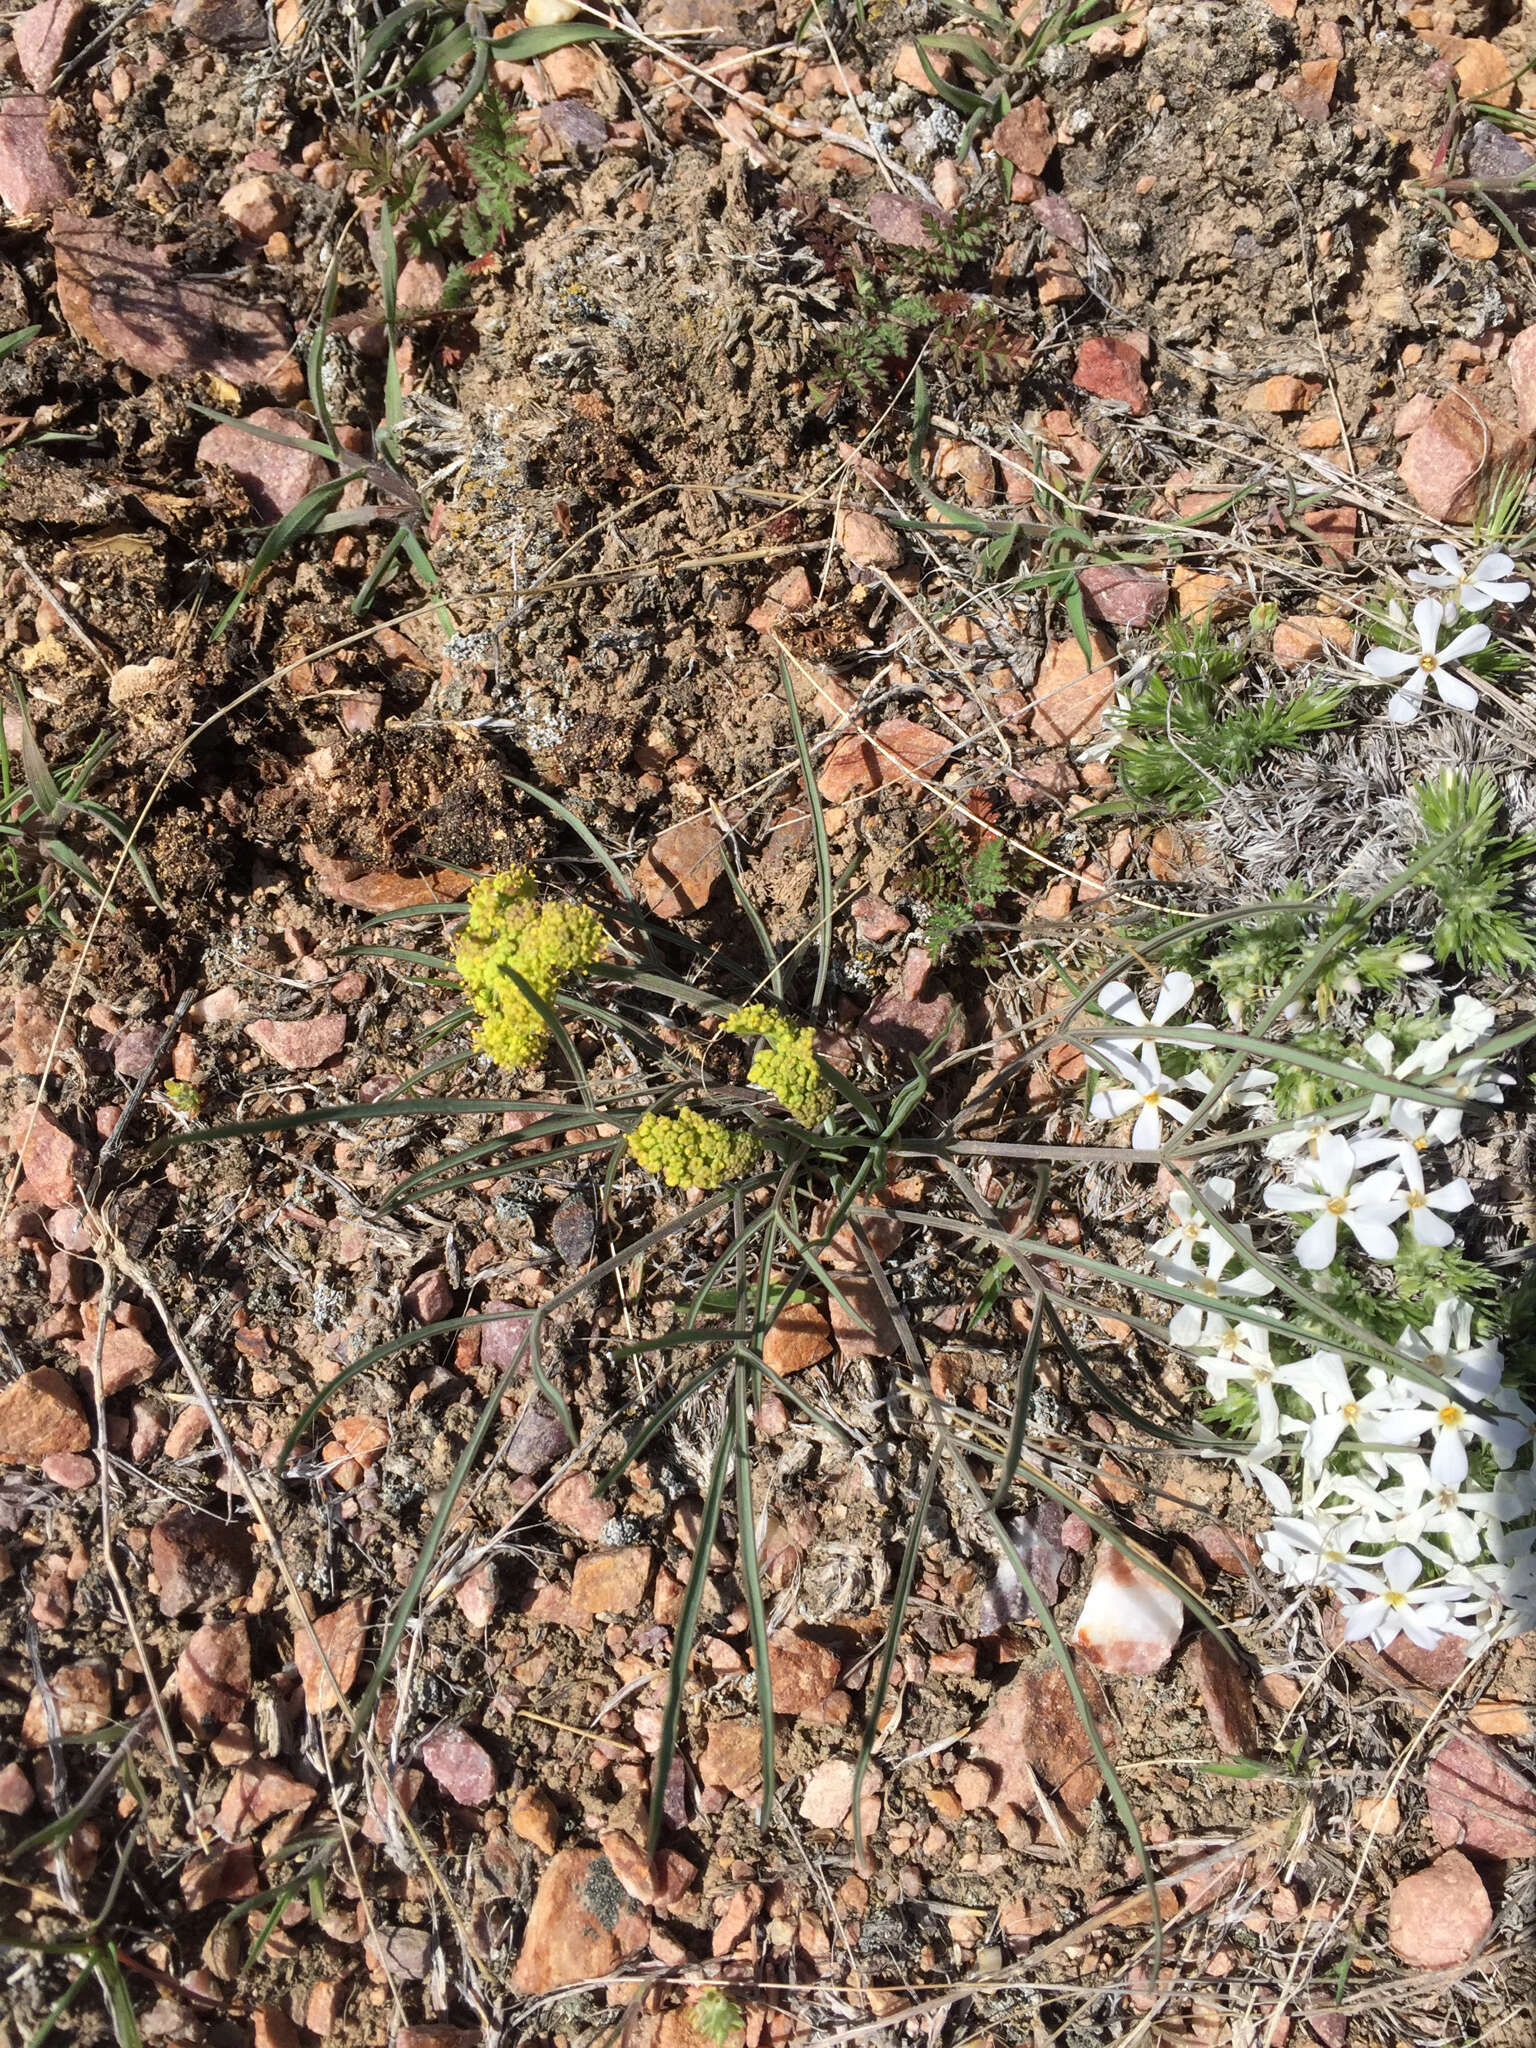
{"x":40,"y":812}
{"x":1186,"y":736}
{"x":1477,"y":874}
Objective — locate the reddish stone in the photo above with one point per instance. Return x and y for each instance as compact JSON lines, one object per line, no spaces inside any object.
{"x":324,"y":2006}
{"x":802,"y":1671}
{"x":127,"y":1359}
{"x":257,"y":208}
{"x":791,"y":593}
{"x":1447,"y":461}
{"x":460,"y":1766}
{"x":300,"y":1043}
{"x":1027,"y":138}
{"x":800,"y":1337}
{"x":41,"y":1417}
{"x":82,"y":1703}
{"x":1438,"y":1917}
{"x":272,"y":2027}
{"x":536,"y":1819}
{"x":682,"y":868}
{"x":1335,"y":527}
{"x":1123,"y":597}
{"x":904,"y":222}
{"x":213,"y":1676}
{"x":36,"y":1037}
{"x":16,"y":1794}
{"x":867,"y":541}
{"x":875,"y":920}
{"x":50,"y":1158}
{"x":573,"y":1504}
{"x":69,"y":1470}
{"x":32,"y":176}
{"x":740,"y":1915}
{"x":1109,"y":366}
{"x":732,"y":1758}
{"x":128,"y":304}
{"x":1034,"y":1720}
{"x":259,"y":1792}
{"x":199,"y":1560}
{"x":1224,"y":1694}
{"x":611,"y":1581}
{"x":341,"y":1636}
{"x":851,"y":769}
{"x":42,"y":35}
{"x":274,"y":477}
{"x":429,"y":1297}
{"x":219,"y":1878}
{"x":1479,"y":1800}
{"x":1072,"y":690}
{"x":566,"y":1941}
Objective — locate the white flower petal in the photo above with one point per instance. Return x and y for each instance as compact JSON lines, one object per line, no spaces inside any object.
{"x":1147,"y":1131}
{"x":1448,"y":1460}
{"x":1335,"y":1163}
{"x":1373,"y":1230}
{"x":1316,"y":1245}
{"x":1427,"y":615}
{"x":1471,"y":640}
{"x":1175,"y":992}
{"x":1387,"y":662}
{"x":1428,"y":1228}
{"x":1455,"y":692}
{"x":1405,"y":705}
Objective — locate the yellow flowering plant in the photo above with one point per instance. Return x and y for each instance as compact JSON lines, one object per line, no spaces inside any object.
{"x":513,"y":947}
{"x":787,"y":1066}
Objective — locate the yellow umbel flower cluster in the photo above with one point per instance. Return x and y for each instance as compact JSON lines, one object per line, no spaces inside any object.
{"x":691,"y":1151}
{"x":787,"y":1066}
{"x":509,"y":931}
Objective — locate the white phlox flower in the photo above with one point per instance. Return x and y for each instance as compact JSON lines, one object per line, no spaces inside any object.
{"x":1402,"y":1606}
{"x":1427,"y":1207}
{"x":1117,"y":1001}
{"x":1379,"y":1417}
{"x":1409,"y":1124}
{"x":1470,"y":590}
{"x":1144,"y":1088}
{"x":1251,"y":1365}
{"x":1323,"y":1551}
{"x":1428,"y":665}
{"x":1307,"y":1133}
{"x":1191,"y":1228}
{"x":1452,"y":1419}
{"x":1327,"y":1188}
{"x":1446,"y":1347}
{"x":1254,"y":1464}
{"x":1191,"y":1325}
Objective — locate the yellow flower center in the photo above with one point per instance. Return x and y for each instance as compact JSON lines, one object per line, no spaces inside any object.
{"x":1429,"y":662}
{"x":1338,"y":1206}
{"x":1414,"y":1199}
{"x":1451,"y":1416}
{"x":1351,"y":1412}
